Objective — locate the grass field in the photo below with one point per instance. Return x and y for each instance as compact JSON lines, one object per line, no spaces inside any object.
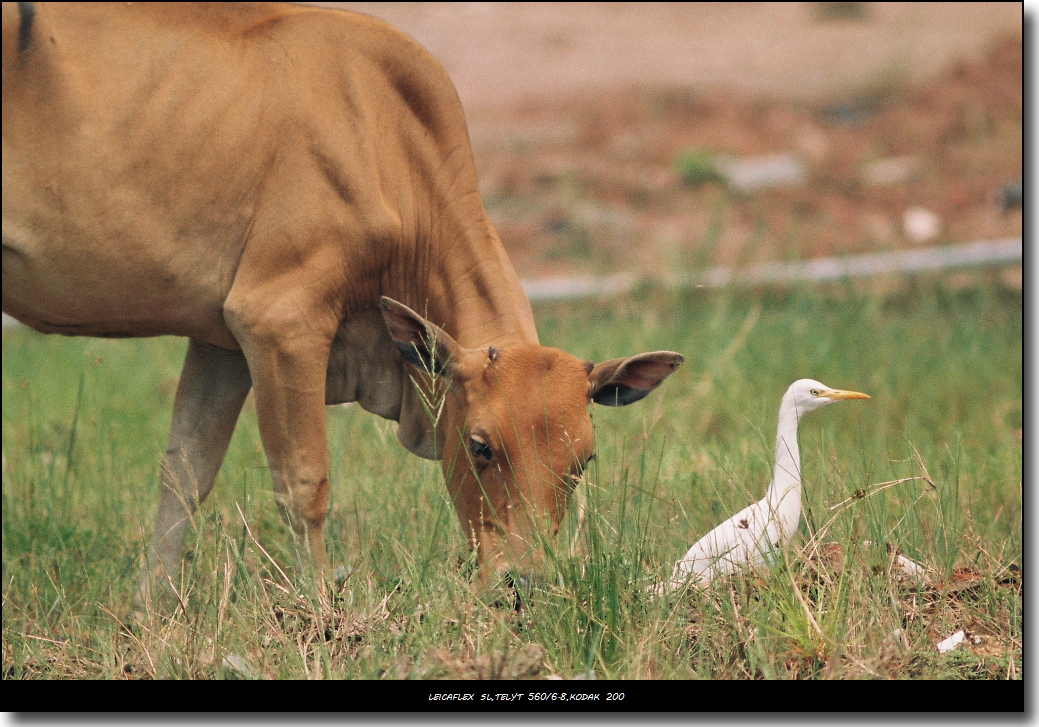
{"x":85,"y":423}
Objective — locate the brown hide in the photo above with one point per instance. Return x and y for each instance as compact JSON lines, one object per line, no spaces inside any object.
{"x":257,"y":178}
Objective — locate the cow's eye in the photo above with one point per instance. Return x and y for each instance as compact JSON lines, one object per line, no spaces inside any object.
{"x":480,"y":448}
{"x":581,"y":466}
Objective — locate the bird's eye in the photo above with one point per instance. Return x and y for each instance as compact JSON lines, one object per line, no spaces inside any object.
{"x":480,"y":448}
{"x":814,"y":392}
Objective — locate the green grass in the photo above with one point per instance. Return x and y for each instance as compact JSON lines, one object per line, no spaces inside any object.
{"x":85,"y":422}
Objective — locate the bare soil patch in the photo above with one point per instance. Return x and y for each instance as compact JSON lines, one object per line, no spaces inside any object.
{"x":906,"y":119}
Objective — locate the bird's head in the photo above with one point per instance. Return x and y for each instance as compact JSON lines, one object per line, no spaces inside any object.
{"x":809,"y":394}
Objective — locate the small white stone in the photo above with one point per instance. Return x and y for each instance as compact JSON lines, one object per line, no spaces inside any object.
{"x":921,"y":225}
{"x":763,"y":172}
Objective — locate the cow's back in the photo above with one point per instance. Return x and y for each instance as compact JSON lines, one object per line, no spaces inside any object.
{"x":146,"y":147}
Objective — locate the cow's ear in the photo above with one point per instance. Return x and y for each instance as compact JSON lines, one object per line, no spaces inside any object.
{"x":424,"y":345}
{"x":621,"y":381}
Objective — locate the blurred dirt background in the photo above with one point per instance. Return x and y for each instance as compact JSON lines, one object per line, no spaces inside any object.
{"x":649,"y":136}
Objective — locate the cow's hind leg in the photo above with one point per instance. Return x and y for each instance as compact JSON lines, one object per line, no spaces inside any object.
{"x":213,"y":386}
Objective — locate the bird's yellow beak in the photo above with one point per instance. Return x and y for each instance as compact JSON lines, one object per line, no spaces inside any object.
{"x":841,"y":394}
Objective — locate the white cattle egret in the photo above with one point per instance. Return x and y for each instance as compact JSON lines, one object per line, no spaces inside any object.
{"x":750,"y":536}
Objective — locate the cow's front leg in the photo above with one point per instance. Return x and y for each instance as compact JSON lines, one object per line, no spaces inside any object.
{"x":213,"y":385}
{"x":288,"y":360}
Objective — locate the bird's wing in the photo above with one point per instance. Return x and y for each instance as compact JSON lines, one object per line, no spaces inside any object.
{"x":740,"y":540}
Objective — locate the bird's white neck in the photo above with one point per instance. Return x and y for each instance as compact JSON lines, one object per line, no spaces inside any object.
{"x":784,"y":493}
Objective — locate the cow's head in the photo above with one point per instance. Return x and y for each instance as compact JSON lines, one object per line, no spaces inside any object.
{"x":515,"y":431}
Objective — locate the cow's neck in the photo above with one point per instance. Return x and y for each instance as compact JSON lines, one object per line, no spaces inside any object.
{"x":465,"y":284}
{"x":479,"y":292}
{"x":463,"y":280}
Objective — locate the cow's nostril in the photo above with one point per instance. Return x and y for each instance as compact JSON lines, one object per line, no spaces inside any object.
{"x":520,"y":581}
{"x":519,"y":586}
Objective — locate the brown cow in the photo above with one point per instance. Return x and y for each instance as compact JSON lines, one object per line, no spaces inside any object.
{"x":268,"y":180}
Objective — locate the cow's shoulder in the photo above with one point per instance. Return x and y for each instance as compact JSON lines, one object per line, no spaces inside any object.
{"x":293,"y":27}
{"x":359,"y":44}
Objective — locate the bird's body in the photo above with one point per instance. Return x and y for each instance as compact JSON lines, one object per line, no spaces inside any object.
{"x":753,"y":534}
